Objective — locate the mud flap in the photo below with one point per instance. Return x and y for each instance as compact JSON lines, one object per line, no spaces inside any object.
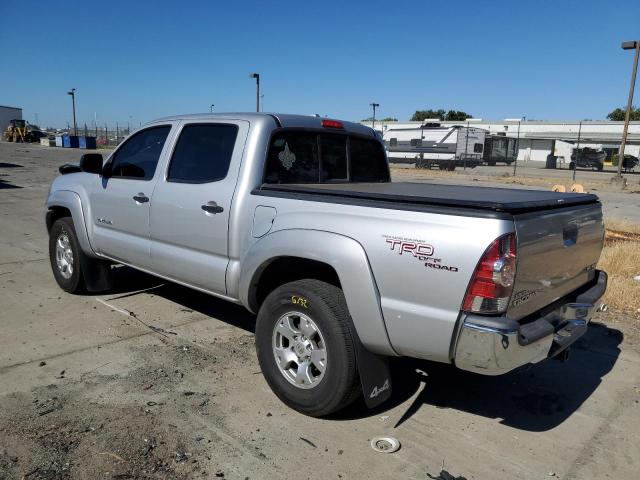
{"x":96,"y":274}
{"x":375,"y":375}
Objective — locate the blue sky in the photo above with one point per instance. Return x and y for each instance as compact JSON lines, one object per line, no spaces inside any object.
{"x":539,"y":59}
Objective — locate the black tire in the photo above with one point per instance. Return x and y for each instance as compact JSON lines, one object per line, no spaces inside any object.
{"x":75,"y":283}
{"x":572,"y":165}
{"x":88,"y":274}
{"x":325,"y":305}
{"x":600,"y":167}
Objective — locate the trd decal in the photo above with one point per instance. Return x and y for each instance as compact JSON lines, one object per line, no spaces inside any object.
{"x":417,"y":249}
{"x":436,"y":263}
{"x":411,"y":247}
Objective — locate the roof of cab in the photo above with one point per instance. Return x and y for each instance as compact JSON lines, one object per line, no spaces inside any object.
{"x":286,"y":120}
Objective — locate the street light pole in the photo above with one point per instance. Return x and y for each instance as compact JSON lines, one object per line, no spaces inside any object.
{"x":633,"y":45}
{"x":262,"y":102}
{"x":72,"y":92}
{"x":374,"y":106}
{"x":211,"y":109}
{"x":257,"y":77}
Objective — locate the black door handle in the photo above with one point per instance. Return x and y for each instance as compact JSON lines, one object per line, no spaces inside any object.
{"x":212,"y":207}
{"x":141,"y":198}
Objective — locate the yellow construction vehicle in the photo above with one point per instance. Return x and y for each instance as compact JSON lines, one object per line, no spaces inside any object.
{"x":16,"y":131}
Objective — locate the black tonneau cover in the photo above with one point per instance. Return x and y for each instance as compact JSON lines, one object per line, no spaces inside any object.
{"x":508,"y":200}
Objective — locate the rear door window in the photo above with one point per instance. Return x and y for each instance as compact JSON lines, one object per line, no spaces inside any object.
{"x":203,"y":153}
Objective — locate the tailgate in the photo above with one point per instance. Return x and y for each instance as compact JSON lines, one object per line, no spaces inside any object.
{"x":557,"y":253}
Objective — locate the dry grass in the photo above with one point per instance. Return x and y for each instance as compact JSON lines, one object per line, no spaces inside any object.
{"x":621,"y":260}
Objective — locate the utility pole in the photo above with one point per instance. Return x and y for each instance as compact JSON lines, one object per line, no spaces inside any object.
{"x":578,"y":153}
{"x":257,"y":77}
{"x":632,"y":45}
{"x":72,"y":92}
{"x":374,"y":106}
{"x":515,"y":162}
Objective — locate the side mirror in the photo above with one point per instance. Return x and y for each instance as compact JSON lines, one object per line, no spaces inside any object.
{"x":91,"y":163}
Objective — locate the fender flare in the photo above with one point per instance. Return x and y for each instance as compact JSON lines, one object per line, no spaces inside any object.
{"x":71,"y":201}
{"x":346,"y":256}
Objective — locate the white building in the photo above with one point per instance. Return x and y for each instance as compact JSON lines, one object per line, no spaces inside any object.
{"x":7,"y":114}
{"x":539,"y":137}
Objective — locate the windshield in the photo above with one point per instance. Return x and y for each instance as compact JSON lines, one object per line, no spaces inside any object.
{"x":297,"y":156}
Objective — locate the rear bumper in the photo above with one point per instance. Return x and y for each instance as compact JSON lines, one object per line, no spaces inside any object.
{"x":496,"y":345}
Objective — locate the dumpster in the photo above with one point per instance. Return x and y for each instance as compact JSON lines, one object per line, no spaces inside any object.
{"x":552,"y":161}
{"x":70,"y":141}
{"x":58,"y":140}
{"x":88,"y":143}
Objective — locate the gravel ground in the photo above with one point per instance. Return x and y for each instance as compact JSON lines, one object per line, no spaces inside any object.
{"x":153,"y":380}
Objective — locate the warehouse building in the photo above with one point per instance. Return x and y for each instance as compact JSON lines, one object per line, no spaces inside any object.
{"x":7,"y":114}
{"x":538,"y":138}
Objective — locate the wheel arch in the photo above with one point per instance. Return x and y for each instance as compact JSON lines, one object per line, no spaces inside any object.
{"x":63,"y":203}
{"x":282,"y":256}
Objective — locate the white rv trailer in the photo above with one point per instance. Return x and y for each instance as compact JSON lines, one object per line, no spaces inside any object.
{"x":431,"y":144}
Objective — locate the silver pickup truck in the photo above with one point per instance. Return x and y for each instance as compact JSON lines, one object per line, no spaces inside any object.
{"x":297,"y":219}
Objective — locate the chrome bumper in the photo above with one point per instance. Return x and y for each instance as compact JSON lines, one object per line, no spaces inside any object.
{"x":496,"y":345}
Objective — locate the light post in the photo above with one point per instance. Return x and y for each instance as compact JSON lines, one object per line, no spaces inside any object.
{"x":211,"y":108}
{"x":262,"y":102}
{"x":72,"y":92}
{"x":632,"y":45}
{"x":257,"y":77}
{"x":374,"y":106}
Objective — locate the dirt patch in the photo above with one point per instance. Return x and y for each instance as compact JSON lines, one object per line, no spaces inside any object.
{"x":135,"y":425}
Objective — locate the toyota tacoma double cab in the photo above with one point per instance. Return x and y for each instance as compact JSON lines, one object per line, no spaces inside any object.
{"x":296,"y":218}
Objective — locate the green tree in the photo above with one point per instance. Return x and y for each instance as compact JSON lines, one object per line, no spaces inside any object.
{"x":618,"y":114}
{"x":457,"y":115}
{"x":389,"y":119}
{"x":441,"y":114}
{"x":424,"y":114}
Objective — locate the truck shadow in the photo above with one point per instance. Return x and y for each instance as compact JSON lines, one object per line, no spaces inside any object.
{"x":533,"y":398}
{"x":129,"y":282}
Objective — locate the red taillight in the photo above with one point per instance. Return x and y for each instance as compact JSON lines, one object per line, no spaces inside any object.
{"x":332,"y":124}
{"x":490,"y":288}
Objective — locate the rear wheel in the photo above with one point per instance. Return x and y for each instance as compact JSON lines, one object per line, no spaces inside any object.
{"x":572,"y":165}
{"x":305,"y":347}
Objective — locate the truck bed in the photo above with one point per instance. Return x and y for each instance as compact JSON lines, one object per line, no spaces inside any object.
{"x":506,"y":200}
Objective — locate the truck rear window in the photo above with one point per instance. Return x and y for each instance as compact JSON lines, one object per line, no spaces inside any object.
{"x":311,"y":157}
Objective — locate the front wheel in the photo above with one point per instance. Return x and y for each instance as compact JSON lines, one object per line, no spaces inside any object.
{"x":305,"y":347}
{"x":64,"y":254}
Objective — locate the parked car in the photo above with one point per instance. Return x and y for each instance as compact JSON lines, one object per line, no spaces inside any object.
{"x":587,"y":158}
{"x":296,"y":218}
{"x":630,"y":162}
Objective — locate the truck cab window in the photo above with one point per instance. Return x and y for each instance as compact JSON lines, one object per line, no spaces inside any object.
{"x":203,"y":153}
{"x":138,"y":156}
{"x":294,"y":157}
{"x":333,"y":150}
